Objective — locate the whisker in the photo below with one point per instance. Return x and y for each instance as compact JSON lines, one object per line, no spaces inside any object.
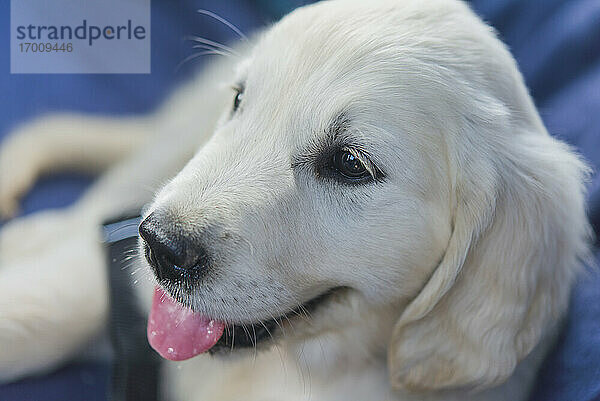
{"x":127,"y":264}
{"x":302,"y":367}
{"x":290,"y":323}
{"x":247,"y":333}
{"x":268,"y":331}
{"x":131,"y":251}
{"x":205,"y":47}
{"x":283,"y":365}
{"x":224,"y":21}
{"x":209,"y":42}
{"x":323,"y":353}
{"x":277,"y":323}
{"x":122,"y":227}
{"x":211,"y":50}
{"x":306,"y":313}
{"x":196,"y":55}
{"x":255,"y":342}
{"x":298,"y":312}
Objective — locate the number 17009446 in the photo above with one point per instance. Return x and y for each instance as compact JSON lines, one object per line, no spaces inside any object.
{"x":45,"y":47}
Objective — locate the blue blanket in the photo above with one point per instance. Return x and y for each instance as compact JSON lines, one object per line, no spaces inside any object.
{"x":557,"y":46}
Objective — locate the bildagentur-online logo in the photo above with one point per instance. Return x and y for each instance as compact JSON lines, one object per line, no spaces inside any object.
{"x":85,"y":31}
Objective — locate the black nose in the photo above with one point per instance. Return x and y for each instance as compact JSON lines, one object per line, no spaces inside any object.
{"x":171,"y":253}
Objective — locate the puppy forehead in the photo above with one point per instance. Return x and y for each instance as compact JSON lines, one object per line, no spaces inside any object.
{"x":329,"y":58}
{"x":368,"y":60}
{"x":309,"y":89}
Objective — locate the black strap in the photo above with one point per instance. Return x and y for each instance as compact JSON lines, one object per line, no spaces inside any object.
{"x":136,"y":366}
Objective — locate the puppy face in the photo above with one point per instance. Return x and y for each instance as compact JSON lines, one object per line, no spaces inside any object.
{"x":314,"y":181}
{"x":383,"y":154}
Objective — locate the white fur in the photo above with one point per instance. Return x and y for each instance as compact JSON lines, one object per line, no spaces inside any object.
{"x":458,"y":264}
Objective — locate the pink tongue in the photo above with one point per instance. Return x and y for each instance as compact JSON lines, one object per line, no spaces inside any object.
{"x":176,"y":332}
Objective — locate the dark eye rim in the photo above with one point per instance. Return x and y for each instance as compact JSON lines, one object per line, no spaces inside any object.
{"x":239,"y":96}
{"x":321,"y":164}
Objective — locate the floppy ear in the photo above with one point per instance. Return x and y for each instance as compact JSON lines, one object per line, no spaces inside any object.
{"x":519,"y":231}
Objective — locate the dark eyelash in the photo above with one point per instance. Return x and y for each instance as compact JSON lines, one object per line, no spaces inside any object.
{"x":318,"y":155}
{"x":318,"y":159}
{"x":365,"y":159}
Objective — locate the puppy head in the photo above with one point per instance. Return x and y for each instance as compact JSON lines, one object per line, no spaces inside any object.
{"x":388,"y":149}
{"x":316,"y":179}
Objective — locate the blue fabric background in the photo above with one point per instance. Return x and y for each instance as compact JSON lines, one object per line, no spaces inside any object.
{"x":557,"y":46}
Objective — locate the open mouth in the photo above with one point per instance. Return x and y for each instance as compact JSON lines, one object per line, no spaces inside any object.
{"x":177,"y":333}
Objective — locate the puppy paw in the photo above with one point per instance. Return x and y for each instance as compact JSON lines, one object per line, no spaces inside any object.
{"x":53,"y":301}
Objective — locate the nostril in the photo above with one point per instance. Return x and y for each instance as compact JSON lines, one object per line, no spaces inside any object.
{"x":164,"y":248}
{"x":167,"y":252}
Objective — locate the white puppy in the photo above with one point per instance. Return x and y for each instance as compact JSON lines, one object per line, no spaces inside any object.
{"x":380,"y":210}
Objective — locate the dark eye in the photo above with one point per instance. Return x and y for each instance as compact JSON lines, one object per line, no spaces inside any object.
{"x":348,"y":165}
{"x":239,"y":96}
